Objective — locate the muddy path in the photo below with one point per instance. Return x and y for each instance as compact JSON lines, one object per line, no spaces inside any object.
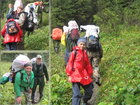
{"x":93,"y":100}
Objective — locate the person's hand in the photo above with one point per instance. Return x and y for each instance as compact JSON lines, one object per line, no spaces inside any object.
{"x":18,"y":100}
{"x":69,"y":78}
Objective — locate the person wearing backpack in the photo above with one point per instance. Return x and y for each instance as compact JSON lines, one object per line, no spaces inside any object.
{"x":79,"y":72}
{"x":22,"y":19}
{"x":32,"y":8}
{"x":23,"y":84}
{"x":72,"y":37}
{"x":20,"y":16}
{"x":10,"y":13}
{"x":95,"y":54}
{"x":12,"y":34}
{"x":40,"y":70}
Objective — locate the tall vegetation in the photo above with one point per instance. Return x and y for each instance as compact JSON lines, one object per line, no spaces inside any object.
{"x":110,"y":15}
{"x":114,"y":14}
{"x":79,"y":10}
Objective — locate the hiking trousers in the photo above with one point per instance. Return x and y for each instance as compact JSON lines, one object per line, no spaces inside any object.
{"x":28,"y":100}
{"x":38,"y":81}
{"x":76,"y":98}
{"x":95,"y":59}
{"x":11,"y":46}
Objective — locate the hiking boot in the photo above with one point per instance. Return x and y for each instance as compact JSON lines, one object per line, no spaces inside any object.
{"x":41,"y":97}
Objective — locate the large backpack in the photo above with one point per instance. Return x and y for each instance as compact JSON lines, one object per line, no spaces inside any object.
{"x":17,"y":66}
{"x":57,"y":34}
{"x":93,"y":44}
{"x":28,"y":23}
{"x":74,"y":34}
{"x":71,"y":39}
{"x":12,"y":29}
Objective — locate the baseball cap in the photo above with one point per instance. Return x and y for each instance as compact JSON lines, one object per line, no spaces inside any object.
{"x":39,"y":56}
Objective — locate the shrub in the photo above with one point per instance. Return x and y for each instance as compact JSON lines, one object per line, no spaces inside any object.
{"x":38,"y":40}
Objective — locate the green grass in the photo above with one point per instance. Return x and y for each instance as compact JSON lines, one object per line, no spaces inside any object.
{"x":120,"y":69}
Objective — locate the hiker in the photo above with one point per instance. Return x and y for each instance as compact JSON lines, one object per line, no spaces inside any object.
{"x":25,"y":23}
{"x":72,"y":37}
{"x":10,"y":13}
{"x":56,"y":36}
{"x":39,"y":70}
{"x":79,"y":72}
{"x":16,"y":66}
{"x":11,"y":7}
{"x":91,"y":30}
{"x":32,"y":8}
{"x":20,"y":16}
{"x":95,"y":54}
{"x":24,"y":81}
{"x":12,"y":34}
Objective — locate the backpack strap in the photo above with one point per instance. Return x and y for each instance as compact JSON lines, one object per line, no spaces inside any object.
{"x":41,"y":67}
{"x":75,"y":53}
{"x":21,"y":76}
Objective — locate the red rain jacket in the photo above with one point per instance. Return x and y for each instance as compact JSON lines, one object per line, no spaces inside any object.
{"x":79,"y":68}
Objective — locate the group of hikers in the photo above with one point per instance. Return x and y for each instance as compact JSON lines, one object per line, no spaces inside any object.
{"x":82,"y":58}
{"x":26,"y":75}
{"x":19,"y":21}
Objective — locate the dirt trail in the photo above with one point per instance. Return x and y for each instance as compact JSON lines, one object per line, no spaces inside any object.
{"x":93,"y":100}
{"x":37,"y":95}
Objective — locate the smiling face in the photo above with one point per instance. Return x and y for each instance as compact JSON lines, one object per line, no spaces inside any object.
{"x":19,"y":9}
{"x":82,"y":45}
{"x":28,"y":69}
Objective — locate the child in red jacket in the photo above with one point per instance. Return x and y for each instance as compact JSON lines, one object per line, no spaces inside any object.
{"x":11,"y":40}
{"x":79,"y":71}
